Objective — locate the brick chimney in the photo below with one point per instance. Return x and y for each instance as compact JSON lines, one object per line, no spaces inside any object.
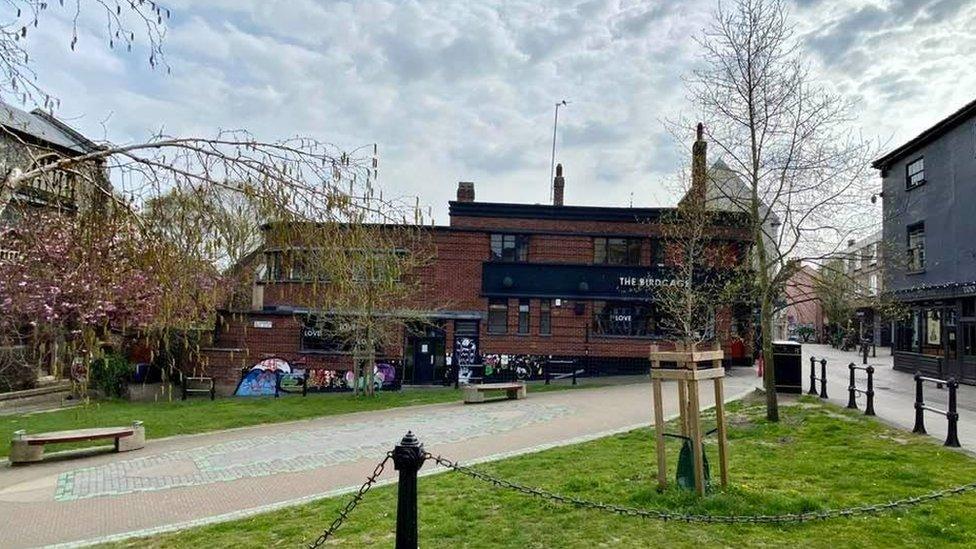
{"x":699,"y":173}
{"x":465,"y":192}
{"x":558,"y":184}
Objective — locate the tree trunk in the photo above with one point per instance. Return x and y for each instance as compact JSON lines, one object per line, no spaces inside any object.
{"x":769,"y":371}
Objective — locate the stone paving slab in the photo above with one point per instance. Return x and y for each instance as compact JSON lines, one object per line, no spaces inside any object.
{"x":199,"y":479}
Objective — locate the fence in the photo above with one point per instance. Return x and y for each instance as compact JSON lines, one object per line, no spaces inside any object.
{"x":853,"y":390}
{"x":951,"y":414}
{"x":409,"y":456}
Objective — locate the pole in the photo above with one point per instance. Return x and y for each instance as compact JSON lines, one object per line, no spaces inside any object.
{"x":552,"y":163}
{"x":919,"y":406}
{"x":548,"y":372}
{"x":823,"y":378}
{"x":864,"y":351}
{"x":869,"y":408}
{"x":952,"y":435}
{"x":851,"y":390}
{"x":813,"y":376}
{"x":408,"y":458}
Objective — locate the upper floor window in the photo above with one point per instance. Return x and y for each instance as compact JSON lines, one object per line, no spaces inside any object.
{"x":545,"y":317}
{"x":657,"y":252}
{"x":509,"y":247}
{"x":915,"y":173}
{"x":873,"y":253}
{"x":916,"y":247}
{"x":523,"y":316}
{"x":616,"y":251}
{"x":873,"y":285}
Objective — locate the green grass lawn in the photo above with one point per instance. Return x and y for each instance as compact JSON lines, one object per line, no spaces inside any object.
{"x":198,"y":415}
{"x":817,"y":457}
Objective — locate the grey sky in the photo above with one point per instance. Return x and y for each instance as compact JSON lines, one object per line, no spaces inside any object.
{"x":465,"y":90}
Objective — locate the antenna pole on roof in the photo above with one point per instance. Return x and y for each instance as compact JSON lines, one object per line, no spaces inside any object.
{"x":552,"y":162}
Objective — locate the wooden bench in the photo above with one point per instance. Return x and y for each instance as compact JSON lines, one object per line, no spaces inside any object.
{"x":200,"y":385}
{"x":26,"y":448}
{"x":476,"y":392}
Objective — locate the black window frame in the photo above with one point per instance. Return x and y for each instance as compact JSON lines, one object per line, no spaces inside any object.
{"x":545,"y":317}
{"x":524,"y":317}
{"x":916,"y":262}
{"x":629,"y":255}
{"x":605,"y":325}
{"x":497,"y":308}
{"x":910,"y":180}
{"x":509,"y":247}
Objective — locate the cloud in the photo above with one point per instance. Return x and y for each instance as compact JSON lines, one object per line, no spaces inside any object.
{"x":465,"y":90}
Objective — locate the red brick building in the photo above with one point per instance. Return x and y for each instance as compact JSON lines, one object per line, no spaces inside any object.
{"x":516,"y":288}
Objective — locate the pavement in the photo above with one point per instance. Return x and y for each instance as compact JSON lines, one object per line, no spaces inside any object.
{"x":193,"y":480}
{"x":894,"y":392}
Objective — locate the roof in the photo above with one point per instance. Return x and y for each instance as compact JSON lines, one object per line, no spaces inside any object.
{"x":46,"y":128}
{"x":548,"y":211}
{"x":929,"y":135}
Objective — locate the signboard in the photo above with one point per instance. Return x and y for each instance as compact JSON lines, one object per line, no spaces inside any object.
{"x":581,"y":281}
{"x":263,"y":324}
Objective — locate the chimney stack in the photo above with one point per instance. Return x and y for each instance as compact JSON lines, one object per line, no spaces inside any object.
{"x":699,"y":168}
{"x":465,"y":192}
{"x":558,"y":184}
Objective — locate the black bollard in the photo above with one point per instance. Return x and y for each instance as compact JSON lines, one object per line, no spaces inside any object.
{"x":548,"y":375}
{"x":869,"y":407}
{"x":823,"y":378}
{"x":864,"y":352}
{"x":574,"y":374}
{"x":851,"y":390}
{"x":952,"y":435}
{"x":408,"y":458}
{"x":919,"y":406}
{"x":813,"y":376}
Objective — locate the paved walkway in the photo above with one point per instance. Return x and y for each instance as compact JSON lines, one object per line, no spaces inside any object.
{"x":894,"y":392}
{"x":185,"y":481}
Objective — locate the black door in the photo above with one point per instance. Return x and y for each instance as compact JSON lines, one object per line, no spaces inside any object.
{"x":423,"y":360}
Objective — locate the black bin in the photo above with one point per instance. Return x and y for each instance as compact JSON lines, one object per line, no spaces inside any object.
{"x":788,"y":366}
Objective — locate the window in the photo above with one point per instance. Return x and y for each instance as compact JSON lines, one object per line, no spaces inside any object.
{"x":545,"y":317}
{"x":509,"y":247}
{"x":497,"y":316}
{"x":273,"y":260}
{"x":873,"y":253}
{"x":857,"y":260}
{"x":616,"y":318}
{"x":874,"y":284}
{"x":523,"y":316}
{"x":616,"y":251}
{"x":657,"y":252}
{"x":969,"y":307}
{"x":969,"y":339}
{"x":915,"y":173}
{"x":916,"y":247}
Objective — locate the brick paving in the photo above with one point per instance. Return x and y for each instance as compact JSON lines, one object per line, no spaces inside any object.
{"x":191,"y":480}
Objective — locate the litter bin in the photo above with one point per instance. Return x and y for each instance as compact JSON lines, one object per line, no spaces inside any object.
{"x":788,"y":366}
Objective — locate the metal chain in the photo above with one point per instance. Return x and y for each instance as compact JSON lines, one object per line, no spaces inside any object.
{"x":370,"y":481}
{"x":724,"y":519}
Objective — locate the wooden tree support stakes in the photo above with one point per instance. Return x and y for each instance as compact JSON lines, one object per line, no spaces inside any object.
{"x":688,"y":376}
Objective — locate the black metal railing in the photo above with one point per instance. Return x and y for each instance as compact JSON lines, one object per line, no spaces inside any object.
{"x":951,"y":414}
{"x":560,"y":372}
{"x":814,"y":378}
{"x":853,"y":390}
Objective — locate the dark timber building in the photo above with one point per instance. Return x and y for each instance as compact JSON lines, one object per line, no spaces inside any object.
{"x":929,"y":226}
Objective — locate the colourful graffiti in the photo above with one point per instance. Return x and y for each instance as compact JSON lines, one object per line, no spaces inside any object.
{"x":321,"y":380}
{"x":262,"y":378}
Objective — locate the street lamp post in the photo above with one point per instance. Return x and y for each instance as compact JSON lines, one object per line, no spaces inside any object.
{"x":552,"y":163}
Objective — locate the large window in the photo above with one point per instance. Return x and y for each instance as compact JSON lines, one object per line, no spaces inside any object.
{"x":916,"y":247}
{"x":616,"y":251}
{"x":545,"y":317}
{"x":915,"y":173}
{"x":509,"y":247}
{"x":497,"y":316}
{"x":657,"y":252}
{"x":620,"y":318}
{"x":523,"y":316}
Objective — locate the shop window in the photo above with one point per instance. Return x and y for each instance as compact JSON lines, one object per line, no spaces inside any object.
{"x":915,"y":173}
{"x":617,"y":318}
{"x":523,"y":316}
{"x":509,"y":247}
{"x":616,"y":251}
{"x":497,"y":316}
{"x":916,"y":247}
{"x":545,"y":317}
{"x":969,"y":339}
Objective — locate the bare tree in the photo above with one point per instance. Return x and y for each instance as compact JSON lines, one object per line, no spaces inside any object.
{"x":126,"y":23}
{"x":787,"y":137}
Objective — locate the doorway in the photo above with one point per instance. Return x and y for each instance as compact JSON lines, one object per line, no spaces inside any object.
{"x":425,"y":356}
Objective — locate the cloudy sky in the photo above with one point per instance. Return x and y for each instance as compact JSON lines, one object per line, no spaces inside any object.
{"x":456,"y":90}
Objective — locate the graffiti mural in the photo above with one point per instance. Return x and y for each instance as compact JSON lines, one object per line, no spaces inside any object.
{"x":323,"y":380}
{"x":466,"y":353}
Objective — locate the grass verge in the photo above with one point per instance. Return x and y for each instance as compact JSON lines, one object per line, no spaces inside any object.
{"x":199,"y":415}
{"x":819,"y":456}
